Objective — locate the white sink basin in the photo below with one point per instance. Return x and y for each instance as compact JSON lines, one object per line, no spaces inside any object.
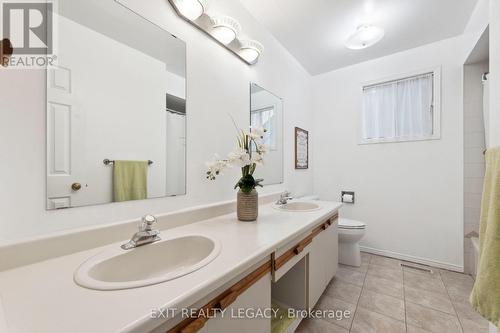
{"x":148,"y":264}
{"x":298,"y":206}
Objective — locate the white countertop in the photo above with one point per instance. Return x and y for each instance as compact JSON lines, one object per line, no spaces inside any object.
{"x":43,"y":297}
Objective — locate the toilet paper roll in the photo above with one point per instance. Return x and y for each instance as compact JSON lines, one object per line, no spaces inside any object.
{"x":348,"y":198}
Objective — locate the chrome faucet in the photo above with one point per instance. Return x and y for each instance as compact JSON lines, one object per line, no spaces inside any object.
{"x":284,"y":197}
{"x":145,"y":235}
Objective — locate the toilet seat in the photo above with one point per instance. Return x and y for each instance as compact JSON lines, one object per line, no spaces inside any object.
{"x":350,"y":224}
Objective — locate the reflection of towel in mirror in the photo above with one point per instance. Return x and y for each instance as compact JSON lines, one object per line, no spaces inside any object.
{"x":485,"y":297}
{"x":130,"y":180}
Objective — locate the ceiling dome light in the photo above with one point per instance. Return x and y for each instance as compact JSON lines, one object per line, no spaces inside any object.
{"x":250,"y":50}
{"x":225,"y":29}
{"x":365,"y":36}
{"x":190,"y":9}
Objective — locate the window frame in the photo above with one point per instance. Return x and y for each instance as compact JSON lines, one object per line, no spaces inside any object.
{"x":436,"y":117}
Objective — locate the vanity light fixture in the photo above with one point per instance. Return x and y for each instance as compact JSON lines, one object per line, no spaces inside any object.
{"x":365,"y":36}
{"x":250,"y":50}
{"x":190,"y":9}
{"x":225,"y":29}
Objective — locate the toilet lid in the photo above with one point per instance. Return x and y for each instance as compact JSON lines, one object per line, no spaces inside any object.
{"x":351,"y":224}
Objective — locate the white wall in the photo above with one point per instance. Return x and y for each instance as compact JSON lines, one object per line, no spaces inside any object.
{"x":409,"y":194}
{"x":494,"y":132}
{"x":217,"y":85}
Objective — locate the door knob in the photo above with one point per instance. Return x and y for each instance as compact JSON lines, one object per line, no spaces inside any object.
{"x":76,"y":186}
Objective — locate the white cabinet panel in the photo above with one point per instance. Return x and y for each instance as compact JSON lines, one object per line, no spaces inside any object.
{"x":258,"y":296}
{"x":323,"y":260}
{"x":316,"y":271}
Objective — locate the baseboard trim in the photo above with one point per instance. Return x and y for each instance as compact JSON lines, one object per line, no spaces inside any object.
{"x":418,"y":260}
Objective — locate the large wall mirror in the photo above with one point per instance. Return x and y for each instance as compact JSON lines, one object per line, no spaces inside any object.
{"x":116,"y":108}
{"x":266,"y":110}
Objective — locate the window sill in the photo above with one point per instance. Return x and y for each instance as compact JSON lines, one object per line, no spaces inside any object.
{"x":398,"y":140}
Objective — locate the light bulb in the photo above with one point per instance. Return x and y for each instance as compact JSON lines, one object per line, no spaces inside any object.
{"x":225,"y":29}
{"x":191,"y":9}
{"x":250,"y":55}
{"x":250,"y":50}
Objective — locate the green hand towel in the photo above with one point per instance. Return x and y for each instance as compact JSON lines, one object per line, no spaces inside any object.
{"x":485,"y":297}
{"x":130,"y":180}
{"x":281,"y":321}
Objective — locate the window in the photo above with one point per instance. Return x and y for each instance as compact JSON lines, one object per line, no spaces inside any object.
{"x":265,"y":118}
{"x":404,"y":109}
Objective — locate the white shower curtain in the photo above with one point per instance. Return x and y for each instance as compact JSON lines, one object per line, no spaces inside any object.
{"x":401,"y":108}
{"x":486,"y":108}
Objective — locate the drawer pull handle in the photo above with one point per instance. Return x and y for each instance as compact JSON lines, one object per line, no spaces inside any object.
{"x":302,"y":245}
{"x":299,"y":249}
{"x":228,"y":300}
{"x":195,"y":326}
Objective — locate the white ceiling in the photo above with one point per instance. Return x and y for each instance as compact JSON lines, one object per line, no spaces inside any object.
{"x":314,"y":31}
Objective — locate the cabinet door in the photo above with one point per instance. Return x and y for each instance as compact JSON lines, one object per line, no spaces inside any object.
{"x":317,"y":273}
{"x":331,"y":246}
{"x":258,"y":296}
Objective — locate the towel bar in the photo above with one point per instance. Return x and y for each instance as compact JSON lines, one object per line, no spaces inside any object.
{"x":108,"y":162}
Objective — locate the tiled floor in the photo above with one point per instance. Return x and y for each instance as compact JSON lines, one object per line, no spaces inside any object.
{"x":383,"y":297}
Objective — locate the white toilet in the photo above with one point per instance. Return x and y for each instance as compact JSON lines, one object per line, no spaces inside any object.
{"x":350,"y":233}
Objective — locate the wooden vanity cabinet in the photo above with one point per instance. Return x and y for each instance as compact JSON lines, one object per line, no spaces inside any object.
{"x":312,"y":258}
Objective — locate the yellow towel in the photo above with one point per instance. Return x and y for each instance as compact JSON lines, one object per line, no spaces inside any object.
{"x":281,"y":321}
{"x":130,"y":180}
{"x":485,"y":297}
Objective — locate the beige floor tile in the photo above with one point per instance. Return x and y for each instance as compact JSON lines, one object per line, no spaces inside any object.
{"x":385,"y":261}
{"x":387,"y":273}
{"x":345,"y":291}
{"x":383,"y":304}
{"x":384,"y":286}
{"x":430,"y":282}
{"x":465,"y":310}
{"x":472,"y":321}
{"x":458,"y":294}
{"x":431,"y":320}
{"x":473,"y":326}
{"x":449,"y":276}
{"x":413,"y":329}
{"x":366,"y":257}
{"x":430,"y":299}
{"x":459,"y":291}
{"x":371,"y":322}
{"x":319,"y":326}
{"x":350,"y":276}
{"x":327,"y":302}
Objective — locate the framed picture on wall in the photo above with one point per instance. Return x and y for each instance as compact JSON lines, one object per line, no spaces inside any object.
{"x":301,"y":148}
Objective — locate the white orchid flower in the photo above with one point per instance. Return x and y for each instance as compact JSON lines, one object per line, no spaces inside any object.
{"x":258,"y":131}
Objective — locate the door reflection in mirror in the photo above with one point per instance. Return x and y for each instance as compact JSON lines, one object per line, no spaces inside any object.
{"x":117,"y":92}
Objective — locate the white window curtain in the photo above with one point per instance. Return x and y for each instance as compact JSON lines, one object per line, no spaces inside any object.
{"x":399,"y":109}
{"x":265,"y":118}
